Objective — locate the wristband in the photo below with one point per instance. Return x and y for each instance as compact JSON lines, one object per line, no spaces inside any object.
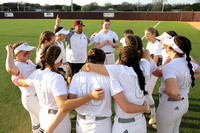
{"x":15,"y":81}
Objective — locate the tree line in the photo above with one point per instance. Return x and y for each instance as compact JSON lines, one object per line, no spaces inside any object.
{"x":124,"y":6}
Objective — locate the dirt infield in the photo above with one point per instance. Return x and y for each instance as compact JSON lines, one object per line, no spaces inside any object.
{"x":195,"y":25}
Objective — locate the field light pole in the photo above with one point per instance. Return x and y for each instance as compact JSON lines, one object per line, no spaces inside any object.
{"x":72,"y":6}
{"x":163,"y":5}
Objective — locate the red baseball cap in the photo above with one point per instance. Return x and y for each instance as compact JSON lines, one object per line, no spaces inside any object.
{"x":78,"y":22}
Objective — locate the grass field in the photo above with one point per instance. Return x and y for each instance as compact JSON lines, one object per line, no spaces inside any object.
{"x":15,"y":119}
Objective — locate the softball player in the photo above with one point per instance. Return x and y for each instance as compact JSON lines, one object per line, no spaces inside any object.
{"x":46,"y":38}
{"x":126,"y":33}
{"x":165,"y":35}
{"x":94,"y":116}
{"x":22,"y":67}
{"x":52,"y":92}
{"x":178,"y":75}
{"x":127,"y":78}
{"x":61,"y":33}
{"x":107,"y":40}
{"x":155,"y":49}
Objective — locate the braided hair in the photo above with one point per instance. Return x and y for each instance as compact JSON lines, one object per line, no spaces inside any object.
{"x":128,"y":56}
{"x":48,"y":56}
{"x":185,"y":45}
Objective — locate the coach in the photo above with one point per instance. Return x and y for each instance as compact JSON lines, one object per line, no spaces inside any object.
{"x":76,"y":47}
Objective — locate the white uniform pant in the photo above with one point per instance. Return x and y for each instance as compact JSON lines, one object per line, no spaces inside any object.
{"x":31,"y":104}
{"x":110,"y":59}
{"x":46,"y":118}
{"x":90,"y":125}
{"x":138,"y":126}
{"x":169,"y":114}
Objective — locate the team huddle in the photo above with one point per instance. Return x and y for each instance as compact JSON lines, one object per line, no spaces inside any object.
{"x":60,"y":80}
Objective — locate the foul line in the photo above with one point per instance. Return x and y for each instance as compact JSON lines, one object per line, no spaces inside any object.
{"x":153,"y":27}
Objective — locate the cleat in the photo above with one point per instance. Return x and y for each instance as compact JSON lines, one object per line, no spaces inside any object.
{"x":152,"y":119}
{"x":154,"y":126}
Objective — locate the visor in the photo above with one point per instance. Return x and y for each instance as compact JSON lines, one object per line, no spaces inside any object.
{"x":173,"y":45}
{"x":62,"y":31}
{"x":164,"y":36}
{"x":24,"y":47}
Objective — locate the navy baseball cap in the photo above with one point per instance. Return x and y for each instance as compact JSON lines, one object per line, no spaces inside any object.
{"x":78,"y":22}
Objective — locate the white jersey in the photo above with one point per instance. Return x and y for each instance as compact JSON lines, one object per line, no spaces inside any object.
{"x":101,"y":37}
{"x":178,"y":69}
{"x":125,"y":78}
{"x":122,"y":41}
{"x":48,"y":85}
{"x":154,"y":49}
{"x":25,"y":69}
{"x":61,"y":45}
{"x":164,"y":55}
{"x":83,"y":83}
{"x":38,"y":55}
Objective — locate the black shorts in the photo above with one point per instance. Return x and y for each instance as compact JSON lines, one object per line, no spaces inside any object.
{"x":75,"y":67}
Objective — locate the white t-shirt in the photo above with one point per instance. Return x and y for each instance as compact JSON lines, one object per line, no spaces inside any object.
{"x":25,"y":69}
{"x":125,"y":78}
{"x":178,"y":69}
{"x":48,"y":85}
{"x":101,"y":37}
{"x":122,"y":41}
{"x":61,"y":45}
{"x":155,"y":48}
{"x":83,"y":83}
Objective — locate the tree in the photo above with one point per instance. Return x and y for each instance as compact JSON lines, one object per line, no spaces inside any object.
{"x":85,"y":8}
{"x":66,"y":8}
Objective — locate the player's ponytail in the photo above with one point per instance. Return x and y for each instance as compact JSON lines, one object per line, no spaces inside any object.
{"x":129,"y":56}
{"x":48,"y":56}
{"x":185,"y":45}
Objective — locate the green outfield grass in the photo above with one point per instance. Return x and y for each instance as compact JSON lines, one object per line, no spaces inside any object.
{"x":15,"y":119}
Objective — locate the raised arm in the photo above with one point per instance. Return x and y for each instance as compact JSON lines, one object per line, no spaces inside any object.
{"x":128,"y":107}
{"x":97,"y":68}
{"x":57,"y":21}
{"x":10,"y":64}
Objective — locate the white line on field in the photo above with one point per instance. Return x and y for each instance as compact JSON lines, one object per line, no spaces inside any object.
{"x":153,"y":27}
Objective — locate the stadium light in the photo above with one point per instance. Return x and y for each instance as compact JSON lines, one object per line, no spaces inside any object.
{"x":72,"y":6}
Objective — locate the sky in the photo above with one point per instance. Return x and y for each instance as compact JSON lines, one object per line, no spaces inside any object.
{"x":100,"y":2}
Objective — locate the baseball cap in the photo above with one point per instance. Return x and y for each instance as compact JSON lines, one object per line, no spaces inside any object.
{"x":24,"y":47}
{"x":173,"y":45}
{"x":164,"y":36}
{"x":78,"y":22}
{"x":62,"y":31}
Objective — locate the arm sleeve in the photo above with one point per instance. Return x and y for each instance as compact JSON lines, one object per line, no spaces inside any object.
{"x":168,"y":72}
{"x":58,"y":86}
